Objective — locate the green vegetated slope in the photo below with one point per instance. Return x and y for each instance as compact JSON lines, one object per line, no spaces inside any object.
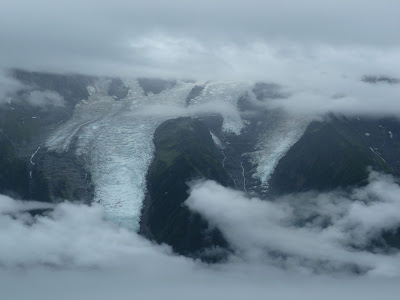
{"x":331,"y":154}
{"x":184,"y":151}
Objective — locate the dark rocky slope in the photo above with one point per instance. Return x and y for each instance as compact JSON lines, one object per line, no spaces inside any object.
{"x":331,"y":154}
{"x":184,"y":151}
{"x":337,"y":153}
{"x":155,"y":85}
{"x":27,"y":169}
{"x":14,"y":175}
{"x":117,"y":89}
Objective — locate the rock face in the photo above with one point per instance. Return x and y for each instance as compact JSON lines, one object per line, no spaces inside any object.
{"x":196,"y":91}
{"x":331,"y":154}
{"x":65,"y":176}
{"x":14,"y":175}
{"x":117,"y":89}
{"x":27,"y":169}
{"x":155,"y":85}
{"x":184,"y":151}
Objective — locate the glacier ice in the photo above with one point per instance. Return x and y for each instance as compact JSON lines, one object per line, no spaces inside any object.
{"x":115,"y":137}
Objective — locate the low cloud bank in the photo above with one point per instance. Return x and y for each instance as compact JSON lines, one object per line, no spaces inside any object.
{"x":44,"y":98}
{"x":70,"y":236}
{"x":319,"y":232}
{"x":280,"y":247}
{"x":308,"y":232}
{"x":8,"y":86}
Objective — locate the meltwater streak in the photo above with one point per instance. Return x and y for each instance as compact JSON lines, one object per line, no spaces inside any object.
{"x":115,"y":138}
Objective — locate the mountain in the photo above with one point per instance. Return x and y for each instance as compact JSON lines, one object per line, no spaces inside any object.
{"x":184,"y":152}
{"x":336,"y":153}
{"x":134,"y":145}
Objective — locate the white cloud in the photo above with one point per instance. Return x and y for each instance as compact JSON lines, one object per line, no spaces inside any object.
{"x":8,"y":86}
{"x":317,"y":231}
{"x":45,"y":98}
{"x":73,"y":253}
{"x":314,"y":232}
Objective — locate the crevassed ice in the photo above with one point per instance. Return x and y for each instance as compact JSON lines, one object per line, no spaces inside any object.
{"x":281,"y":131}
{"x":115,"y":137}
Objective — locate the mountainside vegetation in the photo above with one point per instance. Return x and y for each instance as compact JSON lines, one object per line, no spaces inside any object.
{"x":184,"y":151}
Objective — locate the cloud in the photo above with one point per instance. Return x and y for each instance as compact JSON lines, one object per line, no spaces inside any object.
{"x":72,"y":235}
{"x":45,"y":98}
{"x":318,"y":51}
{"x":345,"y":96}
{"x":72,"y":252}
{"x":10,"y":206}
{"x":196,"y":39}
{"x":326,"y":231}
{"x":316,"y":232}
{"x":8,"y":86}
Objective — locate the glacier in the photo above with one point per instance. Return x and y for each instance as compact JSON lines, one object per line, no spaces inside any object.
{"x":115,"y":138}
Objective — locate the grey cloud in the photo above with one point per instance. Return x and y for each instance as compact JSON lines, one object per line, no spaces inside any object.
{"x":97,"y":36}
{"x":315,"y":49}
{"x":380,"y":79}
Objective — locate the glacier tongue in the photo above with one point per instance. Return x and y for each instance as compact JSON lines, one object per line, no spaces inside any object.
{"x":281,"y":131}
{"x":115,"y":137}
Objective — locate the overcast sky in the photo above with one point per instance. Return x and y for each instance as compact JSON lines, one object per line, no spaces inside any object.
{"x":207,"y":39}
